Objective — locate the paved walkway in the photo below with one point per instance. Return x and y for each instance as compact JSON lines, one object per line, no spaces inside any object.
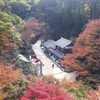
{"x":47,"y":68}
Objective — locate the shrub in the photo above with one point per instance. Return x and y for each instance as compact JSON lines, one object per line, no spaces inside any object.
{"x":75,"y":90}
{"x":50,"y":79}
{"x":17,"y":88}
{"x":94,"y":94}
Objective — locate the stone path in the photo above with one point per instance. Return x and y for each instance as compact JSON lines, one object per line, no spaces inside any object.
{"x":47,"y":68}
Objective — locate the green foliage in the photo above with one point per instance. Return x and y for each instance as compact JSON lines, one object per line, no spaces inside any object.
{"x":35,"y":1}
{"x":62,"y":17}
{"x":7,"y":22}
{"x":16,"y":2}
{"x":17,"y":7}
{"x":27,"y":68}
{"x":15,"y":51}
{"x":80,"y":92}
{"x":9,"y":25}
{"x":11,"y":56}
{"x":75,"y":90}
{"x":19,"y":3}
{"x":16,"y":37}
{"x":66,"y":18}
{"x":32,"y":78}
{"x":17,"y":21}
{"x":20,"y":7}
{"x":16,"y":89}
{"x":12,"y":19}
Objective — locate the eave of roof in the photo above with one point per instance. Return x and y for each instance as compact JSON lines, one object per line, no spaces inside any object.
{"x":57,"y":53}
{"x":69,"y":47}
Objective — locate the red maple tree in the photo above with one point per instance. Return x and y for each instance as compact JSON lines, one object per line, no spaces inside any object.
{"x":29,"y":28}
{"x":86,"y":52}
{"x":44,"y":91}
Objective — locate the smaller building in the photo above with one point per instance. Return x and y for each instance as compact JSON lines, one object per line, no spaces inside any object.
{"x":56,"y":50}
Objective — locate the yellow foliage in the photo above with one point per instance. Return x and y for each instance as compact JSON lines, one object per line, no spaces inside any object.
{"x":68,"y":86}
{"x":3,"y":95}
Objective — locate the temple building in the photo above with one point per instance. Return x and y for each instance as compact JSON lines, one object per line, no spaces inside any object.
{"x":56,"y":50}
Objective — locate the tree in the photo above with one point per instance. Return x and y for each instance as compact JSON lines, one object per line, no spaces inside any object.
{"x":20,"y":8}
{"x":7,"y":75}
{"x":86,"y":53}
{"x":66,"y":18}
{"x":44,"y":91}
{"x":42,"y":5}
{"x":15,"y":6}
{"x":34,"y":39}
{"x":10,"y":25}
{"x":29,"y":28}
{"x":9,"y":36}
{"x":94,"y":6}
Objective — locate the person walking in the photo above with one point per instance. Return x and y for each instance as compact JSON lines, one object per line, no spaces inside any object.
{"x":52,"y":65}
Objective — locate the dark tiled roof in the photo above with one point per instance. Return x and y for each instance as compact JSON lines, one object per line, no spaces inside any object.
{"x":49,"y":44}
{"x":57,"y":53}
{"x":62,"y":42}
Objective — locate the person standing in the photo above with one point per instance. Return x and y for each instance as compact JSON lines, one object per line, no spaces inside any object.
{"x":52,"y":65}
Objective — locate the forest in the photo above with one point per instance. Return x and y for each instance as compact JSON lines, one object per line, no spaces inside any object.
{"x":23,"y":22}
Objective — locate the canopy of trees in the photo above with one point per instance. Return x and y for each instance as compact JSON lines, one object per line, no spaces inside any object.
{"x":29,"y":29}
{"x":10,"y":26}
{"x":9,"y":37}
{"x":66,"y":18}
{"x":53,"y":19}
{"x":86,"y":53}
{"x":44,"y":91}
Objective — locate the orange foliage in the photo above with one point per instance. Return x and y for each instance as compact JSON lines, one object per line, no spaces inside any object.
{"x":7,"y":43}
{"x":84,"y":73}
{"x":3,"y":95}
{"x":7,"y":74}
{"x":92,"y":96}
{"x":68,"y":85}
{"x":86,"y":51}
